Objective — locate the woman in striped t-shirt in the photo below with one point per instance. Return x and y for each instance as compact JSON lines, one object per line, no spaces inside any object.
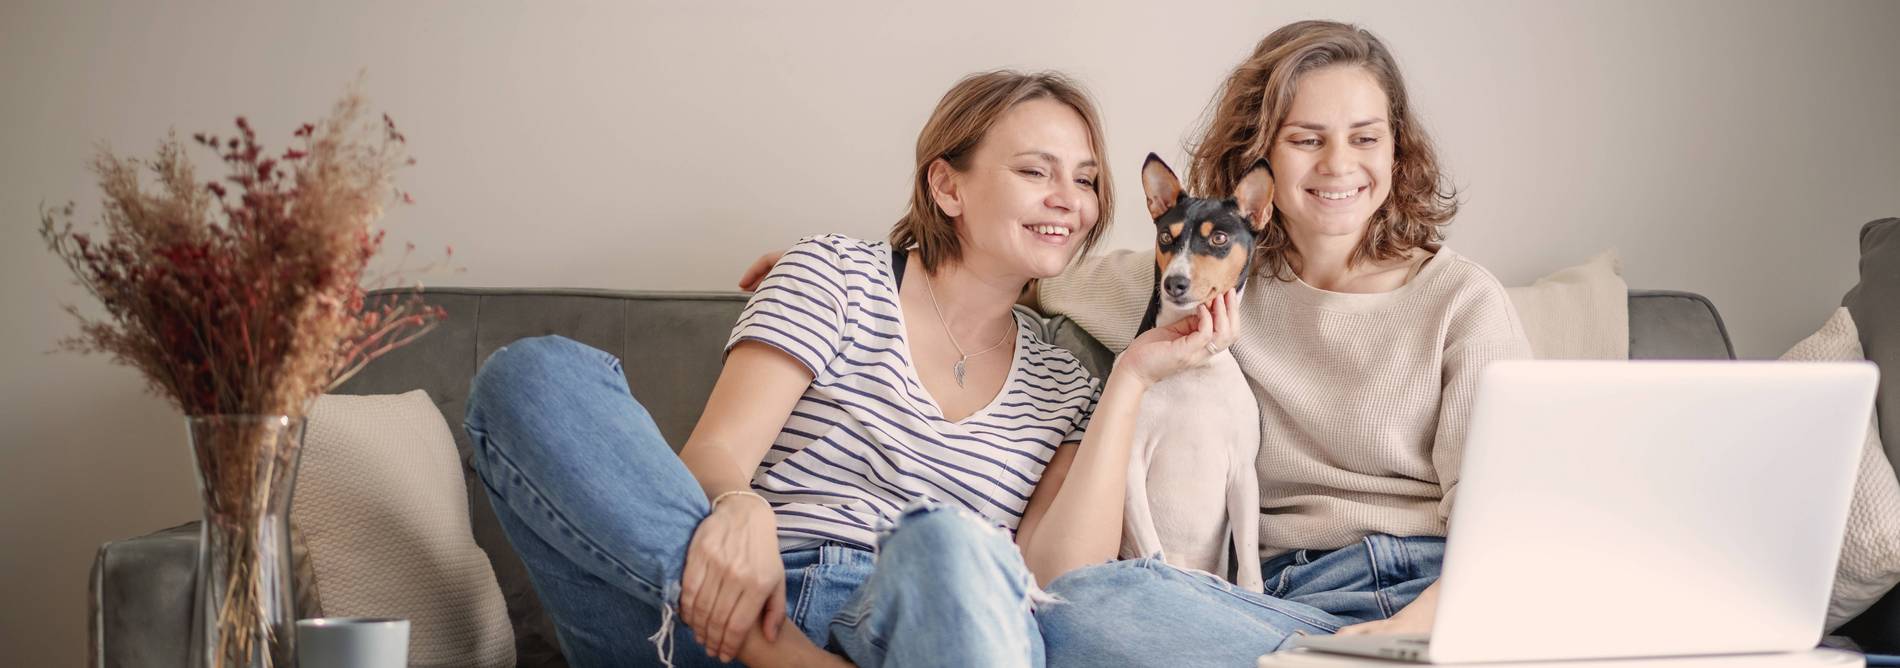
{"x":891,"y":458}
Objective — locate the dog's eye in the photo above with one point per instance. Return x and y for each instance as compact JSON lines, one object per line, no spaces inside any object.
{"x":1166,"y":239}
{"x":1219,"y":238}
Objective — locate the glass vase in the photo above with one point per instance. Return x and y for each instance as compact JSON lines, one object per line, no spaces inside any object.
{"x":244,"y":613}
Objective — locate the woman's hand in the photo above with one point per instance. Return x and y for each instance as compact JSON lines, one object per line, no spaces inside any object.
{"x":734,"y":577}
{"x":1162,"y":351}
{"x":1414,"y":619}
{"x":749,"y":280}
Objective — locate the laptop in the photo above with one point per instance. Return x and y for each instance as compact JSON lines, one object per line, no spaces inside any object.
{"x":1643,"y":509}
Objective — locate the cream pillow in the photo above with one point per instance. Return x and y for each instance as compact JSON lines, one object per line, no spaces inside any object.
{"x":1870,"y":557}
{"x":1579,"y":312}
{"x":381,"y":503}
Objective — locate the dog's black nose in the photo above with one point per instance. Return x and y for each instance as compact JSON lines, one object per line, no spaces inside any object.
{"x":1176,"y":286}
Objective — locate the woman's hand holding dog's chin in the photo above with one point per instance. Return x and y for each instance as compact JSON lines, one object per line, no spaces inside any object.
{"x":1163,"y":351}
{"x":734,"y":577}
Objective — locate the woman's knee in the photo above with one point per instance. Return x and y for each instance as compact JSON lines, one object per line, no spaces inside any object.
{"x":537,"y":384}
{"x":532,"y":366}
{"x":538,"y":355}
{"x":942,"y":542}
{"x":937,"y":527}
{"x":1107,"y":581}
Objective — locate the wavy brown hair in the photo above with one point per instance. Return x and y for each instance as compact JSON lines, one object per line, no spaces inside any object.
{"x":963,"y":117}
{"x":1250,"y":106}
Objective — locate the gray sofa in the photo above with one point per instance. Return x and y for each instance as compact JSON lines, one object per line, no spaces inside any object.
{"x":670,"y":345}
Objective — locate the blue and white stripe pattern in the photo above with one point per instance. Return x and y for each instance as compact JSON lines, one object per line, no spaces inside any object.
{"x":866,"y":441}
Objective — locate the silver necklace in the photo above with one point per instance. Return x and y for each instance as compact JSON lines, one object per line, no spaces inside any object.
{"x":965,"y":357}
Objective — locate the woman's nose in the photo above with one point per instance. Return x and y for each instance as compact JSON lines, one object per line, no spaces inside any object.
{"x":1335,"y":160}
{"x":1065,"y":197}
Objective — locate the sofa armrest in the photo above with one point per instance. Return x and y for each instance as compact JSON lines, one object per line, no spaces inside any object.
{"x":140,"y":600}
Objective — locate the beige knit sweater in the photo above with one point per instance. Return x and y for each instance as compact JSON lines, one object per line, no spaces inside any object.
{"x":1364,"y":398}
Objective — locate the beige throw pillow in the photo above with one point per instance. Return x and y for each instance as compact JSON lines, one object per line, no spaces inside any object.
{"x":381,"y":503}
{"x":1870,"y":556}
{"x":1577,"y":313}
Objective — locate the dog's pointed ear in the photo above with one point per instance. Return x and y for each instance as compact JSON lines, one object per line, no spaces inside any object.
{"x":1162,"y":188}
{"x":1255,"y":196}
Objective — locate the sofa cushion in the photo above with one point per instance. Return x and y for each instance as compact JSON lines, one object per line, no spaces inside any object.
{"x":1870,"y":555}
{"x":1579,"y":312}
{"x":381,"y":503}
{"x":1875,"y":303}
{"x":1872,"y":303}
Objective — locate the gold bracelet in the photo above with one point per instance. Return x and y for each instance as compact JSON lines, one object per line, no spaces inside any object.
{"x":737,"y":492}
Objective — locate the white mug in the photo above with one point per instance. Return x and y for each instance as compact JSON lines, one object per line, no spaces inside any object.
{"x":352,"y":642}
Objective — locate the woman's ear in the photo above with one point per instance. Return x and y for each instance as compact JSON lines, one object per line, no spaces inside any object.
{"x":944,"y":187}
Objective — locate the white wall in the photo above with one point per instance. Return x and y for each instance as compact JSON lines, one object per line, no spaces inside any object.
{"x":1728,"y":148}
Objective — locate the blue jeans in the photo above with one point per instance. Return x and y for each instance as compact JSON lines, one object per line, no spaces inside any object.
{"x":602,"y":511}
{"x":1144,"y":612}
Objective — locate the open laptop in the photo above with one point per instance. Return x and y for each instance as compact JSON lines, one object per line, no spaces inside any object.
{"x":1643,"y":509}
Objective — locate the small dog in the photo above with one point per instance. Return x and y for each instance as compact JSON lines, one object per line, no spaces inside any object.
{"x":1193,"y":496}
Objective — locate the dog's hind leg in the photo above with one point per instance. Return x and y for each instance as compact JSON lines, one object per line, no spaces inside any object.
{"x":1243,"y":520}
{"x":1139,"y":536}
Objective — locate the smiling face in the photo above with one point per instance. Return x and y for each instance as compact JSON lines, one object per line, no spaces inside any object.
{"x":1333,"y":154}
{"x":1203,"y":247}
{"x":1028,"y":195}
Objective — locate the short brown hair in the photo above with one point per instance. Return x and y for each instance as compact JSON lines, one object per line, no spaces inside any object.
{"x":963,"y":117}
{"x":1253,"y":102}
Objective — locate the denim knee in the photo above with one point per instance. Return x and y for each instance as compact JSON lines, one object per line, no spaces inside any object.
{"x":538,"y":354}
{"x":503,"y":396}
{"x":521,"y":365}
{"x":948,"y":588}
{"x":951,"y":549}
{"x":1110,"y":579}
{"x":939,"y":532}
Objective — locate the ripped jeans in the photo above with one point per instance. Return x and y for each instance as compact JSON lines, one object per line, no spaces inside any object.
{"x":602,"y":511}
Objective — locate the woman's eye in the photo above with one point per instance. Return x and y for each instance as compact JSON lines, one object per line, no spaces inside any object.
{"x":1305,"y":142}
{"x":1037,"y":173}
{"x":1219,"y":238}
{"x":1366,"y":141}
{"x":1086,"y":183}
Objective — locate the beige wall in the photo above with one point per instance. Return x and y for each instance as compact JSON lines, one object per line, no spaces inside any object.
{"x":1728,"y":148}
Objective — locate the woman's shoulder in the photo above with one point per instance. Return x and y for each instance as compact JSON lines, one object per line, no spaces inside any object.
{"x":1451,"y":272}
{"x":1477,"y":303}
{"x":1108,"y":270}
{"x":845,"y":260}
{"x":1105,"y":293}
{"x":839,"y":248}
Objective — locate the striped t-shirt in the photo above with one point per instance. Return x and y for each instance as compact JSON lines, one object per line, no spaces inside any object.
{"x":866,"y":440}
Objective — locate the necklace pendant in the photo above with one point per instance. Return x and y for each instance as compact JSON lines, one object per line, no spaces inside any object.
{"x":959,"y":372}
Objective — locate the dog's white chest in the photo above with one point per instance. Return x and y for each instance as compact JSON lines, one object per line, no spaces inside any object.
{"x":1196,"y":439}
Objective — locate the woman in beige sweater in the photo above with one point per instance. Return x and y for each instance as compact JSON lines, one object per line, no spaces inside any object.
{"x":1363,"y":355}
{"x":1363,"y":338}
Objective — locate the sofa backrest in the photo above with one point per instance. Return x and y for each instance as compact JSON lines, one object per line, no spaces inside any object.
{"x":670,"y":344}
